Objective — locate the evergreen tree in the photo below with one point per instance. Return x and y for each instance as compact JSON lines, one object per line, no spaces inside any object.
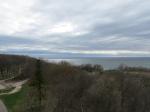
{"x":38,"y":89}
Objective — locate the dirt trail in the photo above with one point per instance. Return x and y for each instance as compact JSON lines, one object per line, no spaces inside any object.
{"x":4,"y":84}
{"x":17,"y":85}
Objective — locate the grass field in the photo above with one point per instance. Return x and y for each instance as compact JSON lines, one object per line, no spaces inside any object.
{"x":14,"y":100}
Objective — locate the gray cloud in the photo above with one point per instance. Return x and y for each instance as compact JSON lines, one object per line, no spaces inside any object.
{"x":104,"y":27}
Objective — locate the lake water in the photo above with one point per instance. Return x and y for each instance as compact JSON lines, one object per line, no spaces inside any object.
{"x":110,"y":62}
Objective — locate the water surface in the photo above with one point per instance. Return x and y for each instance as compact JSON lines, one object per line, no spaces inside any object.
{"x":110,"y":62}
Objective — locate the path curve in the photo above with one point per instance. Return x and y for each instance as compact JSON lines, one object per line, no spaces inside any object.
{"x":17,"y":85}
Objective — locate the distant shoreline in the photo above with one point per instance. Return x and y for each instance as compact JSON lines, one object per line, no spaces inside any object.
{"x":108,"y":63}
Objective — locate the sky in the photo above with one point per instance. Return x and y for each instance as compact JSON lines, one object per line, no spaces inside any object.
{"x":75,"y":28}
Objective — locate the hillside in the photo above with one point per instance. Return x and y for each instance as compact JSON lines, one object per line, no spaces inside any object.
{"x":62,"y":87}
{"x":15,"y":66}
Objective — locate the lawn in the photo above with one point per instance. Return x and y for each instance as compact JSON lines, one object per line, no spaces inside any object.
{"x":13,"y":100}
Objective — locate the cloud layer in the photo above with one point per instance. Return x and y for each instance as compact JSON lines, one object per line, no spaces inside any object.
{"x":75,"y":27}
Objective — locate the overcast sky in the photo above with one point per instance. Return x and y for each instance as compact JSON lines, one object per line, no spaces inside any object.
{"x":75,"y":27}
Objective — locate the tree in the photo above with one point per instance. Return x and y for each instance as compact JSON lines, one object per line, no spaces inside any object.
{"x":38,"y":86}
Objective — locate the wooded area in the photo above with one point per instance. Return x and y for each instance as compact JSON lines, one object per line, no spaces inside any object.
{"x":62,"y":87}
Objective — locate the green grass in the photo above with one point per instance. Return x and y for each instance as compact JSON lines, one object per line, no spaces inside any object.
{"x":13,"y":100}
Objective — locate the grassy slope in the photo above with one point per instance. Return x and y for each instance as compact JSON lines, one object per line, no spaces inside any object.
{"x":13,"y":100}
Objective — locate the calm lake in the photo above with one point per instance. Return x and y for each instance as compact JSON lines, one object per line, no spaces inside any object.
{"x":109,"y":62}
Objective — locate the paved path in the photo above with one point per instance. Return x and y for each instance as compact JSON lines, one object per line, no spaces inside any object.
{"x":2,"y":107}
